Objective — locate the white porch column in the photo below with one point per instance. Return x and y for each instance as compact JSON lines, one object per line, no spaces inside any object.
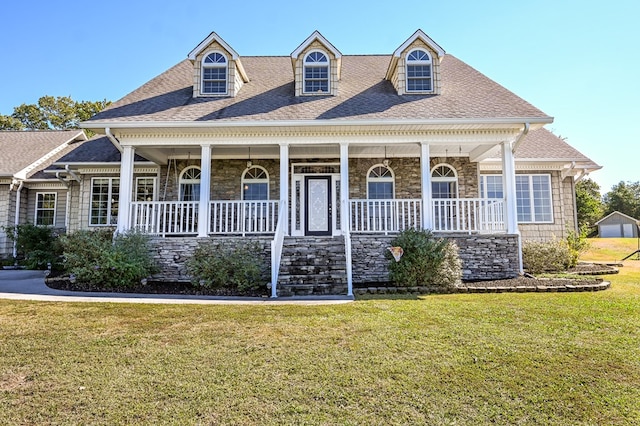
{"x":205,"y":191}
{"x":126,"y":188}
{"x":284,"y":184}
{"x":425,"y":171}
{"x":345,"y":222}
{"x":345,"y":215}
{"x":509,"y":185}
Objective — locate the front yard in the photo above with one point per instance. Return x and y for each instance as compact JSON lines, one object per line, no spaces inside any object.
{"x":552,"y":358}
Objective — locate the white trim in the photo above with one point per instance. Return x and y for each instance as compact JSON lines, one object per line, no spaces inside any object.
{"x":214,"y":65}
{"x":445,"y":179}
{"x":419,"y":34}
{"x":181,"y":180}
{"x":326,"y":64}
{"x":207,"y":41}
{"x":243,"y":180}
{"x":154,"y":195}
{"x":313,"y":37}
{"x":391,"y":179}
{"x":55,"y":208}
{"x":110,"y":219}
{"x":617,"y":213}
{"x":409,"y":63}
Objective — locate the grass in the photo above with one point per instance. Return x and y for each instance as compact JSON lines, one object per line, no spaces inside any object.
{"x":552,"y":358}
{"x":610,"y":249}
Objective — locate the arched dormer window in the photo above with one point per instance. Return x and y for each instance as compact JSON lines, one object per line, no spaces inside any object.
{"x":444,"y":182}
{"x":190,"y":184}
{"x":419,"y":78}
{"x":316,"y":73}
{"x":380,"y":183}
{"x":255,"y":184}
{"x":214,"y":74}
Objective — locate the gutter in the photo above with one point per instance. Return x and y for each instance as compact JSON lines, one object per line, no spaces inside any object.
{"x":521,"y":137}
{"x":113,"y":139}
{"x":71,"y":172}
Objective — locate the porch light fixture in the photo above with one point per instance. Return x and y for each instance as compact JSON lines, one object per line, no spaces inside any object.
{"x":385,"y":162}
{"x":249,"y":163}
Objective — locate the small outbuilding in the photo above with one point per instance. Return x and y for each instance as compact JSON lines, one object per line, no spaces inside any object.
{"x":618,"y":225}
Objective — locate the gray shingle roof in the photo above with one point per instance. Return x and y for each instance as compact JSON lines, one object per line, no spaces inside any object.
{"x":363,"y":94}
{"x":98,"y":149}
{"x":19,"y":149}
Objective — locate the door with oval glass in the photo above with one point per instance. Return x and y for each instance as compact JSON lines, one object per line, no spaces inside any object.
{"x":318,"y":205}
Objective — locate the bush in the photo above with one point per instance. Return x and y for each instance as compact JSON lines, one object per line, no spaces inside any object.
{"x":427,"y":261}
{"x":96,"y":258}
{"x":237,"y":269}
{"x":37,"y":246}
{"x":578,"y":243}
{"x":549,"y":256}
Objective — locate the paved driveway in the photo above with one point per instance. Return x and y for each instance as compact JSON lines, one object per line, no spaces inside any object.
{"x":29,"y":285}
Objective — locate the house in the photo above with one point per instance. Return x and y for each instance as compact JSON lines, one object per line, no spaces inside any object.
{"x":26,"y":194}
{"x":322,"y":158}
{"x":618,"y":225}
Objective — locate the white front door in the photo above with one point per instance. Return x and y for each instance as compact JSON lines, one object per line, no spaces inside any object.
{"x":318,"y":205}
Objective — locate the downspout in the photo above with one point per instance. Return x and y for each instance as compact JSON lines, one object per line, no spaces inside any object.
{"x":71,"y":172}
{"x":113,"y":139}
{"x":515,"y":146}
{"x":17,"y":219}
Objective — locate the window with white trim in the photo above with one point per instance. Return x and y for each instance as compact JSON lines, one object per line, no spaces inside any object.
{"x":190,"y":184}
{"x":444,"y":182}
{"x":104,"y":201}
{"x":46,"y":208}
{"x":145,"y":188}
{"x":255,"y":184}
{"x":316,"y":73}
{"x":214,"y":74}
{"x":419,"y":69}
{"x":533,"y":196}
{"x":380,"y":183}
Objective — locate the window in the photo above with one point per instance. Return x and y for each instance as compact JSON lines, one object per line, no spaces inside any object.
{"x":316,"y":73}
{"x":380,"y":183}
{"x":104,"y":201}
{"x":145,"y":188}
{"x":419,"y":71}
{"x":533,"y":196}
{"x":255,"y":184}
{"x":46,"y":208}
{"x":190,"y":184}
{"x":214,"y":74}
{"x":444,"y":182}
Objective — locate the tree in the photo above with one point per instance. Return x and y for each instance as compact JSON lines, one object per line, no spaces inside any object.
{"x":51,"y":113}
{"x":588,"y":204}
{"x":625,"y":198}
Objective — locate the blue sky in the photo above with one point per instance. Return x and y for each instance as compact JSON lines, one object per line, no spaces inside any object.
{"x":575,"y":60}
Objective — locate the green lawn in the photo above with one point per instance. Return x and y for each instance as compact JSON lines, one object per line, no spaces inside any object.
{"x":552,"y":358}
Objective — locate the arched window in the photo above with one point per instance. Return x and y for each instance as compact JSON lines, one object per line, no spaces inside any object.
{"x":214,"y":74}
{"x":380,"y":183}
{"x":444,"y":182}
{"x":255,"y":184}
{"x":316,"y":72}
{"x":190,"y":184}
{"x":419,"y":71}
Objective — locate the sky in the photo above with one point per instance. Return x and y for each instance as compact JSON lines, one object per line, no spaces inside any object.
{"x":576,"y":60}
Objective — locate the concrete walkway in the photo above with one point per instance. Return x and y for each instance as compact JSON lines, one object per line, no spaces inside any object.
{"x":29,"y":285}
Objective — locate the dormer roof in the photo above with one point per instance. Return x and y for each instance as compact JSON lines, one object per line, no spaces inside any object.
{"x":316,"y":36}
{"x":419,"y":34}
{"x":213,"y":39}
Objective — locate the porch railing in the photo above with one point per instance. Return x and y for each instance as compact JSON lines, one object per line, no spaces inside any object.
{"x":243,"y":217}
{"x":468,"y":215}
{"x":165,"y":217}
{"x":392,"y":215}
{"x":276,"y":248}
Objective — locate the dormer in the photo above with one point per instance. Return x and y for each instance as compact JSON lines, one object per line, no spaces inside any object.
{"x":217,"y":70}
{"x":316,"y":67}
{"x":415,"y":66}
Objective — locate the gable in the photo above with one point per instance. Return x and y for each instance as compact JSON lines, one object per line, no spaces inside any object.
{"x":300,"y":60}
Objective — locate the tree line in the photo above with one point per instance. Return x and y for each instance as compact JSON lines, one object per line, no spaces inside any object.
{"x":591,"y":206}
{"x":51,"y":113}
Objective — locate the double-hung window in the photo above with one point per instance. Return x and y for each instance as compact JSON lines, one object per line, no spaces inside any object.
{"x":255,"y":184}
{"x":533,"y":196}
{"x":419,"y":71}
{"x":104,"y":201}
{"x":45,"y":208}
{"x":214,"y":74}
{"x":316,"y":73}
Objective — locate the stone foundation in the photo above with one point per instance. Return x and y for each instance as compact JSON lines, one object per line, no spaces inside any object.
{"x":171,"y":253}
{"x":484,"y":257}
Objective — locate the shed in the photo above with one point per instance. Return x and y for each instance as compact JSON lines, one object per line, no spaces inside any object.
{"x":618,"y":225}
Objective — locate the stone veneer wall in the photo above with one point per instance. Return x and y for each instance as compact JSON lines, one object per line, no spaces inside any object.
{"x":484,"y":257}
{"x":172,"y":253}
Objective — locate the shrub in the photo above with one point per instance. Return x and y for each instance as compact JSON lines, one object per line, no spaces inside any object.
{"x":427,"y":260}
{"x":96,"y":258}
{"x":37,"y":246}
{"x":238,"y":268}
{"x":549,"y":256}
{"x":578,"y":243}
